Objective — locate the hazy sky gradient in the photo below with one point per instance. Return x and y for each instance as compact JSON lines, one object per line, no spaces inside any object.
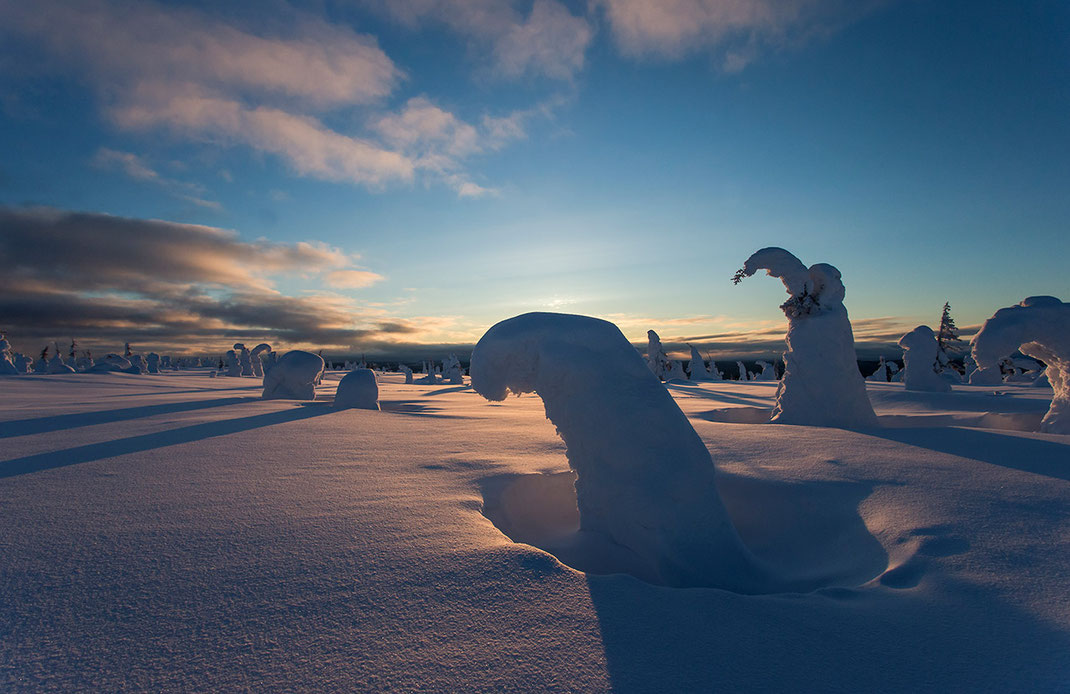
{"x":385,"y":175}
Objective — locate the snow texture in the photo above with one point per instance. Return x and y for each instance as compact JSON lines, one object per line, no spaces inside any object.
{"x":294,"y":377}
{"x":358,"y":389}
{"x":921,"y":361}
{"x":821,"y":385}
{"x":644,"y":478}
{"x":1040,"y":328}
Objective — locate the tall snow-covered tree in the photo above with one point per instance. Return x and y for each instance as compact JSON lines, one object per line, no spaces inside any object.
{"x":947,"y":338}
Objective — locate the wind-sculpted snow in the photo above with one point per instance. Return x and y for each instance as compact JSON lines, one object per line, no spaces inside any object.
{"x":7,"y":366}
{"x":358,"y":389}
{"x":645,"y":480}
{"x":1040,"y":328}
{"x":920,"y":354}
{"x":294,"y":377}
{"x":821,"y":385}
{"x":245,"y":361}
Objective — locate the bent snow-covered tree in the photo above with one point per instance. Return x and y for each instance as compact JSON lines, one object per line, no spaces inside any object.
{"x":1040,"y":328}
{"x":645,"y":479}
{"x":922,"y":361}
{"x":821,"y":385}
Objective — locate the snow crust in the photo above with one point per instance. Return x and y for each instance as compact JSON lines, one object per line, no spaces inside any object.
{"x":821,"y":385}
{"x":358,"y":389}
{"x":294,"y":377}
{"x":1040,"y":327}
{"x":644,"y":478}
{"x":920,"y":361}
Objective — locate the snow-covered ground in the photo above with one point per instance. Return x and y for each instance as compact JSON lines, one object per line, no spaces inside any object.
{"x":176,"y":532}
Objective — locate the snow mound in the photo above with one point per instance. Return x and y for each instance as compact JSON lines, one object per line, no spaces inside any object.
{"x":920,"y":361}
{"x":358,"y":389}
{"x":294,"y":377}
{"x":644,"y":479}
{"x":821,"y":385}
{"x":1040,"y":328}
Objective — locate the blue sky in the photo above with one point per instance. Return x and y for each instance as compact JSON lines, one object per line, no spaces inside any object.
{"x":463,"y":162}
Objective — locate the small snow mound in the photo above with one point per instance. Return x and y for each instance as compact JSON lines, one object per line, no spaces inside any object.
{"x":294,"y":377}
{"x":358,"y":389}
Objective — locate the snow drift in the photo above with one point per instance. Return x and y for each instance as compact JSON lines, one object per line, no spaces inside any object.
{"x":1040,"y":328}
{"x":821,"y":385}
{"x":294,"y":377}
{"x":645,"y":480}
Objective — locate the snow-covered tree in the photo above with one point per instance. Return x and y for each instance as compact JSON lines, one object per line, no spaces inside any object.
{"x":947,"y":337}
{"x":358,"y":389}
{"x":294,"y":377}
{"x":921,"y":367}
{"x":644,"y":478}
{"x":697,"y":367}
{"x":1040,"y":328}
{"x":656,"y":359}
{"x":821,"y":384}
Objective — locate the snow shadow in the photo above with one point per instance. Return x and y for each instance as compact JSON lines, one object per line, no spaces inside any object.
{"x":147,"y":442}
{"x":849,"y":640}
{"x":1038,"y":456}
{"x":810,"y":533}
{"x":61,"y":422}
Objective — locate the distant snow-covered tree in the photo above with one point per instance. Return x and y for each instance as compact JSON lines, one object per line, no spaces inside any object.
{"x":947,"y":337}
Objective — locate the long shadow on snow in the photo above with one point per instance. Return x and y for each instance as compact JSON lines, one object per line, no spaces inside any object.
{"x":659,"y":639}
{"x":719,"y":396}
{"x":148,"y":442}
{"x":42,"y":425}
{"x":1006,"y":450}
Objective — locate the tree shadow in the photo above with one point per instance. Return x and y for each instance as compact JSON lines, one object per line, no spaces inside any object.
{"x":721,"y":396}
{"x":146,"y":442}
{"x":1010,"y":450}
{"x":60,"y":422}
{"x":872,"y":639}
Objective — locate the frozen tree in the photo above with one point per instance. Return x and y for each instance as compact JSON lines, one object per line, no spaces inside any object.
{"x":767,"y":373}
{"x":255,"y":358}
{"x":137,"y":364}
{"x":233,"y":365}
{"x":407,"y":371}
{"x":656,"y":359}
{"x":821,"y":384}
{"x":697,"y":367}
{"x":742,"y":371}
{"x":245,"y":360}
{"x":56,"y":365}
{"x":1040,"y":328}
{"x":947,"y":336}
{"x":881,"y":374}
{"x":152,"y":363}
{"x":23,"y":363}
{"x":41,"y":365}
{"x":451,"y":370}
{"x":358,"y":389}
{"x":294,"y":377}
{"x":921,"y":361}
{"x":644,"y":478}
{"x":676,"y":371}
{"x":7,"y":366}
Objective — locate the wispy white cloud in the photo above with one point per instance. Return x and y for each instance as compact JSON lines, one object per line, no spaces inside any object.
{"x":737,"y":31}
{"x":548,"y":40}
{"x":136,"y":168}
